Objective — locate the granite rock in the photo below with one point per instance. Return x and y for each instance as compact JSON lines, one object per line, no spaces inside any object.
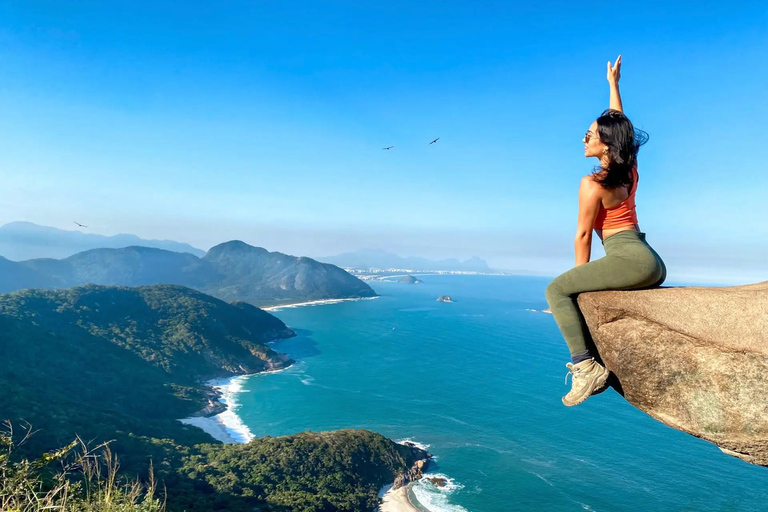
{"x":694,"y":358}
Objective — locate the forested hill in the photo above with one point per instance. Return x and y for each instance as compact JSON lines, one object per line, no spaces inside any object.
{"x":123,"y":364}
{"x":94,"y":360}
{"x":230,"y":271}
{"x":261,"y":277}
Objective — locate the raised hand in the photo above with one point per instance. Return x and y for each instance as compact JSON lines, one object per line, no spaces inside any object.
{"x":614,"y":73}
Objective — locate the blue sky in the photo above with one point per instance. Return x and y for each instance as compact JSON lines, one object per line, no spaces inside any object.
{"x":264,"y":122}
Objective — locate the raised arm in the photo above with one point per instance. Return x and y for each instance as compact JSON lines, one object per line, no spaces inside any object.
{"x":613,"y":81}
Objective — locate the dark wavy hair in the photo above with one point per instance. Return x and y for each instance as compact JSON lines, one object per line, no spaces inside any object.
{"x":623,"y":141}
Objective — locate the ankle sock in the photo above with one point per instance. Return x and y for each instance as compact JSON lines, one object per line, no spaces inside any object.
{"x":577,"y":358}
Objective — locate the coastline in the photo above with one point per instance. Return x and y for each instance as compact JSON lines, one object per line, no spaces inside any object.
{"x":402,"y":498}
{"x":320,"y":302}
{"x":227,"y":426}
{"x":395,"y":500}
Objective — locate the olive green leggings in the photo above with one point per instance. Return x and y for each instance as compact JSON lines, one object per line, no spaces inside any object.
{"x":629,"y":264}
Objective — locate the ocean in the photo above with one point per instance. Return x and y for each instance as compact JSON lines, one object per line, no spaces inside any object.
{"x":478,"y":381}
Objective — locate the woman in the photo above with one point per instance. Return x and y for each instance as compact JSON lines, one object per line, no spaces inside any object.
{"x":607,"y":205}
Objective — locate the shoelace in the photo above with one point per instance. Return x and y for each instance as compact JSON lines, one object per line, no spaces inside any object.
{"x":572,"y":370}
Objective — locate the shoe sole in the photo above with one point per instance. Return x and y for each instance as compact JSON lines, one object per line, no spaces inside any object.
{"x":601,"y":383}
{"x":603,"y":387}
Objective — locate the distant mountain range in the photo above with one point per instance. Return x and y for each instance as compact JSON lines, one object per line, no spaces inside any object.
{"x":232,"y":271}
{"x":377,"y":258}
{"x":25,"y":240}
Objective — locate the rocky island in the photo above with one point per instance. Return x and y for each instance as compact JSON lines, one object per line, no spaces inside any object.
{"x":444,"y":298}
{"x":410,"y":280}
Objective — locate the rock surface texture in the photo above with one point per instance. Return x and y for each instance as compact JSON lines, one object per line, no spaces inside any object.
{"x":413,"y":474}
{"x":694,"y":358}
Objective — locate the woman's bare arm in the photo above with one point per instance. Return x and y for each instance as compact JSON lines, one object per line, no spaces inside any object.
{"x":614,"y":73}
{"x":589,"y":206}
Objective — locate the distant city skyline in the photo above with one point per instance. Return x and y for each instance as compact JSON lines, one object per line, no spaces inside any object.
{"x":266,"y":123}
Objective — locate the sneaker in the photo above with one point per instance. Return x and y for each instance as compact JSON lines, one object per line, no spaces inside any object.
{"x":589,"y":377}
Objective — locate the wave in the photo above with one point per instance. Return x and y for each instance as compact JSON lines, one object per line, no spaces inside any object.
{"x":229,"y":419}
{"x":428,"y":496}
{"x":227,"y":426}
{"x":414,"y":443}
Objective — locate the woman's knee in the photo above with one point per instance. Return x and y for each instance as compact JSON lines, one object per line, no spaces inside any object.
{"x":553,"y":292}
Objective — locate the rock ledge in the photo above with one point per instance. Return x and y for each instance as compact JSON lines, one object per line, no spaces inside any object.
{"x":694,"y":358}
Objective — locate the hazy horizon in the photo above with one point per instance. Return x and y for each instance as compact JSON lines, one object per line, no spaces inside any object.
{"x":292,"y":241}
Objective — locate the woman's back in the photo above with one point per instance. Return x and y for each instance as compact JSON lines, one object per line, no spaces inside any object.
{"x":617,"y":208}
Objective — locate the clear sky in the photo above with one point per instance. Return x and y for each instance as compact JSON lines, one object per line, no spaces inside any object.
{"x":264,"y":121}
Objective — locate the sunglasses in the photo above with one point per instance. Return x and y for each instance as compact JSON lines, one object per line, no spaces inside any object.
{"x":588,"y":136}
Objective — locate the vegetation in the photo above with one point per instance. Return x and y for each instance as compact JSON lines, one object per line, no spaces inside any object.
{"x":86,"y":481}
{"x":121,"y":365}
{"x":308,"y":472}
{"x":104,"y":360}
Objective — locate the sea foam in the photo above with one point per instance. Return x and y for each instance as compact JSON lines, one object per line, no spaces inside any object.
{"x":227,"y":426}
{"x":425,"y":494}
{"x":433,"y":498}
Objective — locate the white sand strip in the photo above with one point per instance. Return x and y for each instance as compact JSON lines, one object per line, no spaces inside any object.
{"x":227,"y":426}
{"x":397,"y":501}
{"x":210,"y":426}
{"x":315,"y":303}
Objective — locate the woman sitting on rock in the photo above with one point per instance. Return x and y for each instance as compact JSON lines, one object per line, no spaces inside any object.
{"x":607,"y":205}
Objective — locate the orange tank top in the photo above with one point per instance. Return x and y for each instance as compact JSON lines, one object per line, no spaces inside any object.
{"x":624,"y":214}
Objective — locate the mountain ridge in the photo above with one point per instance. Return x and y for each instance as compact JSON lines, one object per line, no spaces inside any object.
{"x":231,"y":271}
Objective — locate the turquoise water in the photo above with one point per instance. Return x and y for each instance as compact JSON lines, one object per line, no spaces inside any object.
{"x":479,"y":381}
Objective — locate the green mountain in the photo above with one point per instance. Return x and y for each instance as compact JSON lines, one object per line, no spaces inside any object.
{"x":123,"y":364}
{"x":260,"y":277}
{"x":15,"y":276}
{"x":230,"y":271}
{"x":129,"y":266}
{"x":149,"y":347}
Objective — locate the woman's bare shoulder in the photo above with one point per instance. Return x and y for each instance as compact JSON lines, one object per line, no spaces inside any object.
{"x":589,"y":181}
{"x":591,"y":187}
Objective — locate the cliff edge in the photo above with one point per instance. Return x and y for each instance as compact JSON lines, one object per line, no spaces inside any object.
{"x":694,"y":358}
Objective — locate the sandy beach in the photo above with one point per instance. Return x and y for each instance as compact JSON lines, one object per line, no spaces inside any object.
{"x":226,"y":426}
{"x":397,"y":501}
{"x":210,"y":425}
{"x":315,"y":303}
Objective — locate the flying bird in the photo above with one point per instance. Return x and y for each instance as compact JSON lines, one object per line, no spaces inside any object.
{"x":81,"y":225}
{"x":435,"y":140}
{"x":389,"y":147}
